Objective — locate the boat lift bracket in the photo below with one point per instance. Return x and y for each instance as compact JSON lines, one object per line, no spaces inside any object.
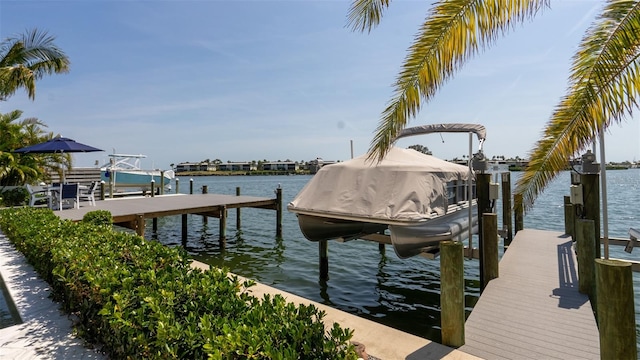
{"x":634,"y":234}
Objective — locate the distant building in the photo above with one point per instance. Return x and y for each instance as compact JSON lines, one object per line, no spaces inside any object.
{"x":195,"y":166}
{"x":280,"y":166}
{"x":318,"y":163}
{"x":237,"y":166}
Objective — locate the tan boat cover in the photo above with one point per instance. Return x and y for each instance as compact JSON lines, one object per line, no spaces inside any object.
{"x":406,"y":187}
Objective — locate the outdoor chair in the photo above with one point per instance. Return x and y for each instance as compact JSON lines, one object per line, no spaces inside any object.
{"x":69,"y":194}
{"x":37,"y":193}
{"x":89,"y":193}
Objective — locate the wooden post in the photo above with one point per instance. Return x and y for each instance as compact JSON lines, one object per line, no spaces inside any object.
{"x":586,"y":249}
{"x":238,"y":221}
{"x":155,"y":224}
{"x":279,"y":211}
{"x":569,"y":219}
{"x":223,"y":224}
{"x":102,"y":190}
{"x":484,"y":206}
{"x":518,"y":212}
{"x":452,"y":293}
{"x":153,"y":188}
{"x":161,"y":182}
{"x":381,"y":248}
{"x":184,"y":230}
{"x":591,"y":199}
{"x":205,"y":190}
{"x":615,"y":310}
{"x":489,"y":248}
{"x":177,"y":186}
{"x":191,"y":186}
{"x":323,"y":249}
{"x":140,"y":224}
{"x":506,"y":208}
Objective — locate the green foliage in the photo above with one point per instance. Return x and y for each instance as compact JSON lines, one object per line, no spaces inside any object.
{"x":15,"y":197}
{"x":142,"y":300}
{"x":20,"y":169}
{"x":26,"y":58}
{"x":98,"y":218}
{"x":421,"y":148}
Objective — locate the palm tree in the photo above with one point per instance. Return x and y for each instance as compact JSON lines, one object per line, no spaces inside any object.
{"x":603,"y":85}
{"x":27,"y":58}
{"x":20,"y":169}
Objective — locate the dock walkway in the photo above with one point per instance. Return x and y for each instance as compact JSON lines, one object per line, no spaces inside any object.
{"x":534,"y":310}
{"x":127,"y":209}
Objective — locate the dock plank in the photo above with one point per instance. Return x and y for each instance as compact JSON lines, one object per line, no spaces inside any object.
{"x":534,"y":310}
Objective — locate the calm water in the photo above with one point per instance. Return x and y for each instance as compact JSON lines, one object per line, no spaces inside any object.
{"x":400,"y":293}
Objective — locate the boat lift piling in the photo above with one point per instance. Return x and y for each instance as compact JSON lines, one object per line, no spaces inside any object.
{"x":507,"y":225}
{"x":518,"y":212}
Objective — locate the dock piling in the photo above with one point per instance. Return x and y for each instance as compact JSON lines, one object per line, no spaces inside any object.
{"x":489,"y":248}
{"x":279,"y":211}
{"x":102,"y":190}
{"x":140,"y":224}
{"x":323,"y":249}
{"x":569,"y":217}
{"x":484,"y":206}
{"x":615,"y":309}
{"x":591,"y":198}
{"x":238,"y":221}
{"x":205,"y":190}
{"x":177,"y":186}
{"x":518,"y":212}
{"x":191,"y":186}
{"x":506,"y":208}
{"x":223,"y":224}
{"x":586,"y":248}
{"x":184,"y":230}
{"x":153,"y":188}
{"x":452,"y":293}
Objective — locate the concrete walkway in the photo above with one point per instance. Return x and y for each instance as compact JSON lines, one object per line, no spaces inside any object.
{"x":46,"y":332}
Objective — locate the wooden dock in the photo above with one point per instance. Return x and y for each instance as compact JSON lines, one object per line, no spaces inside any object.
{"x":534,"y":310}
{"x":131,"y":212}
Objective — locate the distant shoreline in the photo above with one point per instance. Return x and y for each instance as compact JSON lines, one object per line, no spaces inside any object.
{"x":242,"y":173}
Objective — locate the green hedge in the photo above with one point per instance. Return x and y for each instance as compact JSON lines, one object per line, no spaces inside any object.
{"x":139,"y":299}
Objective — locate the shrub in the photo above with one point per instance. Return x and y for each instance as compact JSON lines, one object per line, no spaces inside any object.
{"x":98,"y":218}
{"x":15,"y":197}
{"x":142,"y":300}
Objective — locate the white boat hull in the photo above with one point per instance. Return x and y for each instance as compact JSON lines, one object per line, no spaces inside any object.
{"x":140,"y":179}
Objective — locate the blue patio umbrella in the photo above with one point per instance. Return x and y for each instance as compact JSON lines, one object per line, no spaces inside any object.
{"x":59,"y":145}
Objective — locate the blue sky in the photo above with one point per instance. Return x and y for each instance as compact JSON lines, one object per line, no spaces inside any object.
{"x":249,"y":80}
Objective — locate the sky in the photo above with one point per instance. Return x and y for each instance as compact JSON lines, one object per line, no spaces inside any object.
{"x":185,"y":81}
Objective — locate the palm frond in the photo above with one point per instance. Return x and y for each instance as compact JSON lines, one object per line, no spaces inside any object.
{"x":454,"y":31}
{"x":366,"y":14}
{"x":26,"y":58}
{"x":604,"y":86}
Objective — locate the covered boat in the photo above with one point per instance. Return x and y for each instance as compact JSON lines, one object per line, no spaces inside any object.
{"x":419,"y":198}
{"x":409,"y":199}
